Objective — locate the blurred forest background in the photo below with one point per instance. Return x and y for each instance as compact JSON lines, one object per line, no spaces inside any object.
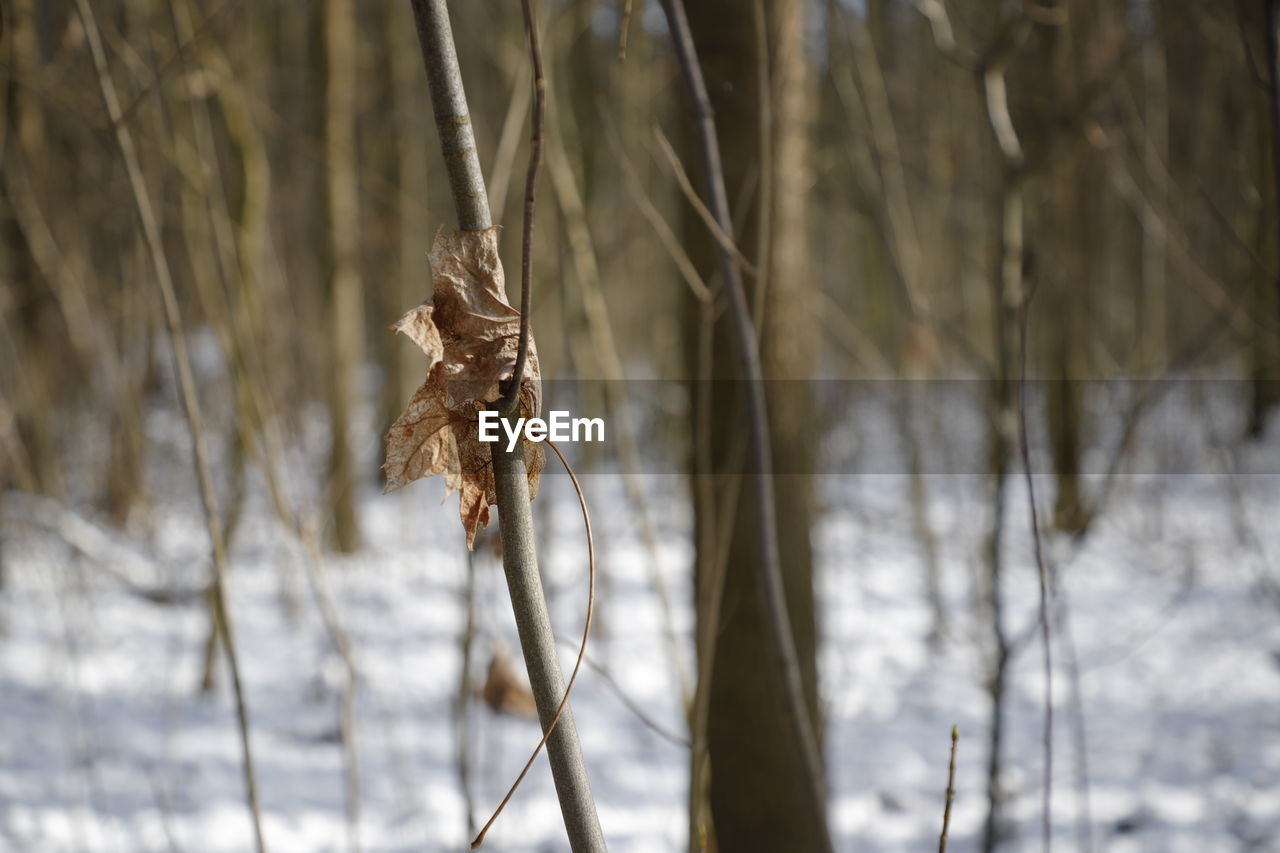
{"x":917,"y":186}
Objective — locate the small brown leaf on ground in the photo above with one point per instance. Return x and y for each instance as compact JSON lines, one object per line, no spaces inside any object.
{"x":505,"y":693}
{"x":469,"y":333}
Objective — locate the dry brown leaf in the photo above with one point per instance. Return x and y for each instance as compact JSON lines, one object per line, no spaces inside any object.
{"x":469,"y":333}
{"x":505,"y":692}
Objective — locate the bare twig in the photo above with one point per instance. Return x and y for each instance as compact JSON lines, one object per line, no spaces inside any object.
{"x":1217,"y":293}
{"x":190,"y":402}
{"x":504,"y":156}
{"x":951,"y":790}
{"x":903,"y":234}
{"x":1079,"y":732}
{"x":780,"y":639}
{"x":510,"y":398}
{"x":461,"y":717}
{"x":670,"y":242}
{"x":1043,"y":574}
{"x":624,"y":30}
{"x":163,"y":806}
{"x":627,"y":702}
{"x":764,"y":127}
{"x":722,"y":232}
{"x":709,"y":592}
{"x":206,"y":28}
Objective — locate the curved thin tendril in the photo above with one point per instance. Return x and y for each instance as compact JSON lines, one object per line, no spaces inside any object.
{"x":582,"y":649}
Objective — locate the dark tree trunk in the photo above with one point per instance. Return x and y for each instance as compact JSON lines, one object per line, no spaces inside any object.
{"x":757,"y":790}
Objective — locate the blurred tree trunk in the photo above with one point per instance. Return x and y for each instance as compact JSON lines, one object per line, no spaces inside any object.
{"x":880,"y":25}
{"x":757,"y":793}
{"x":1007,"y":295}
{"x":1152,"y":320}
{"x":346,"y":304}
{"x":32,"y":314}
{"x":1264,"y":345}
{"x":403,"y":361}
{"x":789,"y":350}
{"x":1070,"y":192}
{"x":1007,"y":288}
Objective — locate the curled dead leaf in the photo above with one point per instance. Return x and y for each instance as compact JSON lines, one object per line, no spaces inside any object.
{"x":469,"y":333}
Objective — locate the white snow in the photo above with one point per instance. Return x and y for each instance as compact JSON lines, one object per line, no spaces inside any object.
{"x":107,"y":745}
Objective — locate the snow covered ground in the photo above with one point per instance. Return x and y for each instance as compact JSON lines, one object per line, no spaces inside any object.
{"x":1173,"y":617}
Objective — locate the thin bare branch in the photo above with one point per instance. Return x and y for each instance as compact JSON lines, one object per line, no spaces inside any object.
{"x":951,"y":790}
{"x":720,"y":231}
{"x":1046,"y":587}
{"x":190,"y":402}
{"x":510,"y":399}
{"x":624,"y":30}
{"x":670,"y":242}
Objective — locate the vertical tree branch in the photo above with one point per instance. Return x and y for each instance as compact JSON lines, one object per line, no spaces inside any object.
{"x":951,"y":791}
{"x":780,"y":638}
{"x":1011,"y":327}
{"x":511,"y":398}
{"x":346,"y":301}
{"x":466,"y":689}
{"x":519,"y":556}
{"x":1042,"y":573}
{"x":453,"y":121}
{"x":190,"y":403}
